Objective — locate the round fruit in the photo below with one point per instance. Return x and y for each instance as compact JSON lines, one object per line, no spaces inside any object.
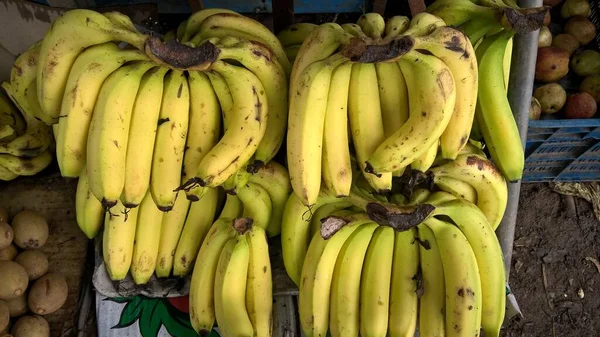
{"x":586,"y":63}
{"x":552,"y":64}
{"x":9,"y":253}
{"x":4,"y":315}
{"x":582,"y":28}
{"x":591,"y":85}
{"x":31,"y":326}
{"x":552,"y":97}
{"x":34,"y":262}
{"x":30,"y":228}
{"x":48,"y":294}
{"x":3,"y":214}
{"x":6,"y":235}
{"x":575,"y":8}
{"x":13,"y":280}
{"x":581,"y":105}
{"x":566,"y":42}
{"x":535,"y":109}
{"x":545,"y":38}
{"x":17,"y":307}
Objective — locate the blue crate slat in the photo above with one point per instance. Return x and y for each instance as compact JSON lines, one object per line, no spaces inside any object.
{"x":329,"y":6}
{"x":563,"y":150}
{"x":241,"y":6}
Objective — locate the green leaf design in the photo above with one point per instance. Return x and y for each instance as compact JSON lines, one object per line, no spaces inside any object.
{"x":150,"y":324}
{"x":130,"y":312}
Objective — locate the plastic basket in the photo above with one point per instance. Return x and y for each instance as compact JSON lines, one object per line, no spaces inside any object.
{"x":564,"y":150}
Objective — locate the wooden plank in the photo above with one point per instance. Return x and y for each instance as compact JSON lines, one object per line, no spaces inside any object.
{"x":283,"y":14}
{"x":379,"y":6}
{"x":66,"y":248}
{"x":416,"y":6}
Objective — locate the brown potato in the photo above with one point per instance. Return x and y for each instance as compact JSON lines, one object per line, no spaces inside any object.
{"x":30,"y":229}
{"x":6,"y":235}
{"x":3,"y":214}
{"x":17,"y":307}
{"x":34,"y":262}
{"x":13,"y":280}
{"x":4,"y":315}
{"x":31,"y":326}
{"x":9,"y":253}
{"x":48,"y":294}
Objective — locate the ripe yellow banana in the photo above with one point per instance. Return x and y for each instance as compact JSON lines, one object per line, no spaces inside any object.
{"x":192,"y":24}
{"x":461,"y":276}
{"x":263,"y":63}
{"x":223,"y":96}
{"x":344,"y":316}
{"x":204,"y":125}
{"x":336,"y":165}
{"x":295,"y":232}
{"x":322,"y":42}
{"x":245,"y":129}
{"x":492,"y":193}
{"x":295,"y":34}
{"x":423,"y":24}
{"x":419,"y":196}
{"x":6,"y":175}
{"x":118,"y":239}
{"x":147,"y":240}
{"x":257,"y":204}
{"x":230,"y":289}
{"x":89,"y":212}
{"x":233,"y":207}
{"x":10,"y":116}
{"x":482,"y":239}
{"x":432,"y":94}
{"x":202,"y":310}
{"x":226,"y":24}
{"x":171,"y":227}
{"x":142,"y":136}
{"x":372,"y":24}
{"x":366,"y":122}
{"x":292,"y":51}
{"x":440,"y":197}
{"x":432,"y":303}
{"x":375,"y":284}
{"x":109,"y":132}
{"x":198,"y":222}
{"x":67,"y":37}
{"x":403,"y":292}
{"x":354,"y":30}
{"x":393,"y":95}
{"x":90,"y":70}
{"x":259,"y":286}
{"x":456,"y":12}
{"x":23,"y":166}
{"x":274,"y":178}
{"x":317,"y":275}
{"x":308,"y":105}
{"x":120,"y":20}
{"x":221,"y":270}
{"x":395,"y":26}
{"x":454,"y":49}
{"x":425,"y":161}
{"x":495,"y":116}
{"x":458,"y":188}
{"x":171,"y":134}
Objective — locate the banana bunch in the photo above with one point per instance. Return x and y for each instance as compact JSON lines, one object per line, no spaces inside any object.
{"x":391,"y":112}
{"x":26,"y":143}
{"x":291,"y":38}
{"x":231,"y":283}
{"x":444,"y":276}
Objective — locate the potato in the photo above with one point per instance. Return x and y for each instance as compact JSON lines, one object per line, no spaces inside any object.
{"x":48,"y":294}
{"x":4,"y":315}
{"x":34,"y":262}
{"x":9,"y":253}
{"x":13,"y":280}
{"x":30,"y":228}
{"x":17,"y":307}
{"x":31,"y":326}
{"x":6,"y":235}
{"x":3,"y":214}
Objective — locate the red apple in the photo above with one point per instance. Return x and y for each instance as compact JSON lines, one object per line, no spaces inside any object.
{"x":581,"y":105}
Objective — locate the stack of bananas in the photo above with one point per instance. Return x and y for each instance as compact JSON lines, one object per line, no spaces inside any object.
{"x":25,"y":142}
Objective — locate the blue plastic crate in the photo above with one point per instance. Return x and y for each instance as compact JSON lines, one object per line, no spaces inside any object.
{"x":562,"y":150}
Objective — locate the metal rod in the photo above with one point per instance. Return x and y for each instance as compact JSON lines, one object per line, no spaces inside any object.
{"x":519,"y":95}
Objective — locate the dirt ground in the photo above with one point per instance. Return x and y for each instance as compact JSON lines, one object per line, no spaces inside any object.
{"x":557,"y":288}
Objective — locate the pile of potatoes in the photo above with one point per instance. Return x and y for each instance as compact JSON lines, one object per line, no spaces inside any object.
{"x":27,"y":290}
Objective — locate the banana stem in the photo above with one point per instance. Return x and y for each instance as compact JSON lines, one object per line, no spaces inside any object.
{"x":524,"y":20}
{"x":176,"y":55}
{"x":242,"y":225}
{"x":400,"y":218}
{"x":333,"y":223}
{"x":359,"y":50}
